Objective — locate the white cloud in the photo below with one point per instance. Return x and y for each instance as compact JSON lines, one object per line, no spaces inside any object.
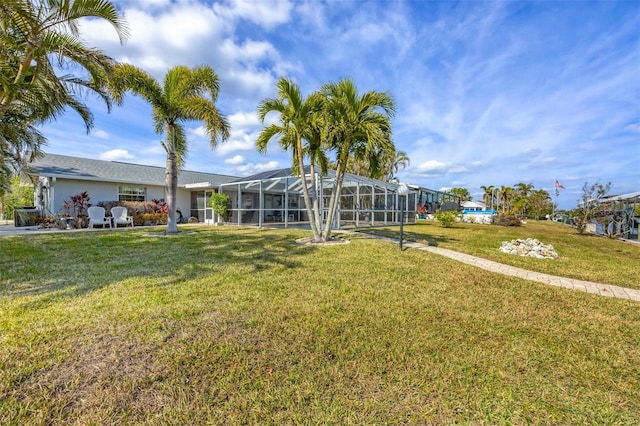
{"x":267,"y":13}
{"x":236,"y":159}
{"x":252,"y":168}
{"x":244,"y":121}
{"x":432,"y":166}
{"x":241,"y":142}
{"x":116,"y":155}
{"x":98,"y":133}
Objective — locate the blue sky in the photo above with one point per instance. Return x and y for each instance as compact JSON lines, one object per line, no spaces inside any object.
{"x":487,"y":93}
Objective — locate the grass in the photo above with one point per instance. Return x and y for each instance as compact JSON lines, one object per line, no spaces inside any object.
{"x":586,"y":257}
{"x":244,"y":326}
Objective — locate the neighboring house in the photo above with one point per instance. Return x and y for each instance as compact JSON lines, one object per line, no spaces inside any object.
{"x":473,"y":206}
{"x":59,"y":177}
{"x":476,"y":212}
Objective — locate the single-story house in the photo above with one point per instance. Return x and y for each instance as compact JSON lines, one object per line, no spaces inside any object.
{"x":269,"y":197}
{"x":477,"y":212}
{"x":473,"y":206}
{"x":60,"y":176}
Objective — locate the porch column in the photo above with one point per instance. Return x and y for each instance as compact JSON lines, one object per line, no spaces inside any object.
{"x":357,"y":204}
{"x":286,"y":202}
{"x":373,"y":204}
{"x":386,"y":208}
{"x":260,"y":206}
{"x":239,"y":205}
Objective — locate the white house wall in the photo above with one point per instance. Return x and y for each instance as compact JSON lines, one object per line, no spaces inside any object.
{"x":63,"y":189}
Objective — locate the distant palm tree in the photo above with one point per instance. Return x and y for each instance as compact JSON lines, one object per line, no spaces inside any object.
{"x":523,"y":189}
{"x":522,"y":193}
{"x":487,"y":197}
{"x":185,"y":95}
{"x":393,"y":164}
{"x":506,"y":195}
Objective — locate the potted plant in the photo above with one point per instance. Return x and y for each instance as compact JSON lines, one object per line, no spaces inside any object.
{"x":218,"y":202}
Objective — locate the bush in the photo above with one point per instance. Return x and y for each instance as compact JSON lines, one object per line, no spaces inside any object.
{"x":506,"y":220}
{"x":218,"y":203}
{"x":448,"y":218}
{"x":147,"y":219}
{"x":135,"y":207}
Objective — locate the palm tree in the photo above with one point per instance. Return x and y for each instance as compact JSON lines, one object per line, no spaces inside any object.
{"x":399,"y":159}
{"x":522,"y":192}
{"x":462,"y":193}
{"x":487,"y":197}
{"x":32,"y":34}
{"x":185,"y":95}
{"x":299,"y":130}
{"x":358,"y":127}
{"x":506,"y":195}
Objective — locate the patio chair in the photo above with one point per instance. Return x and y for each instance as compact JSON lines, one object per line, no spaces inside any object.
{"x":97,"y":217}
{"x":120,"y":217}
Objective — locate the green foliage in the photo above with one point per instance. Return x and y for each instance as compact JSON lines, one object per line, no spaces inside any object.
{"x":17,"y":196}
{"x":219,"y":203}
{"x":335,"y":120}
{"x":448,"y":218}
{"x":46,"y":69}
{"x":463,"y":193}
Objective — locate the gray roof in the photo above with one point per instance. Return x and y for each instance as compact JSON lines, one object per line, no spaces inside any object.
{"x":63,"y":166}
{"x":331,"y":174}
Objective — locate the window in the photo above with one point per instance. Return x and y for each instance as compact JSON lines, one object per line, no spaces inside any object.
{"x":132,"y":193}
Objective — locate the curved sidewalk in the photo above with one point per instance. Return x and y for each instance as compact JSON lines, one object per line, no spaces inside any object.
{"x":489,"y":265}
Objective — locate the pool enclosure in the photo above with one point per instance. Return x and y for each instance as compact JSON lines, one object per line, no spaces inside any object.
{"x":275,"y":198}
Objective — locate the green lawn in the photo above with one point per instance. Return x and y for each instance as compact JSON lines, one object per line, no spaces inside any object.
{"x":587,"y":257}
{"x":244,"y":326}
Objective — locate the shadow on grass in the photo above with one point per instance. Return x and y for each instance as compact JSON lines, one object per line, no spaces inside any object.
{"x":69,"y":265}
{"x":409,"y":235}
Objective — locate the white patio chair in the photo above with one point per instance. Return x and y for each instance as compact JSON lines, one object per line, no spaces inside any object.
{"x":120,"y":217}
{"x":97,"y":217}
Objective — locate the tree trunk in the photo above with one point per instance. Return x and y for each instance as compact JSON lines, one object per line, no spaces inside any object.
{"x":335,"y":197}
{"x":317,"y":214}
{"x":171,"y":183}
{"x":305,"y":192}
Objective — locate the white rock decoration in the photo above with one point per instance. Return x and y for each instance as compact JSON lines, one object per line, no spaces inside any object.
{"x":529,"y":247}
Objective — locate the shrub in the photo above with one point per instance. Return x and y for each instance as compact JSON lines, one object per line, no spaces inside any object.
{"x":147,"y":219}
{"x":77,"y":205}
{"x":218,"y":203}
{"x":506,"y":220}
{"x":135,"y":207}
{"x":448,"y":218}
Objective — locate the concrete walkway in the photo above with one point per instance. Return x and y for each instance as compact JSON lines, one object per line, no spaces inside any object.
{"x":489,"y":265}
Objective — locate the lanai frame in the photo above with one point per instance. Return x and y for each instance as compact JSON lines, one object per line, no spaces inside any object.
{"x":275,"y":198}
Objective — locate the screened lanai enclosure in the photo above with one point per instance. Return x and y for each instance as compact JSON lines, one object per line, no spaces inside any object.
{"x":275,"y":198}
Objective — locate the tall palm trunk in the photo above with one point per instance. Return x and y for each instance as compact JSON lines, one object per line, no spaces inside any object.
{"x":335,"y":195}
{"x":171,"y":183}
{"x":305,"y":192}
{"x":317,"y":214}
